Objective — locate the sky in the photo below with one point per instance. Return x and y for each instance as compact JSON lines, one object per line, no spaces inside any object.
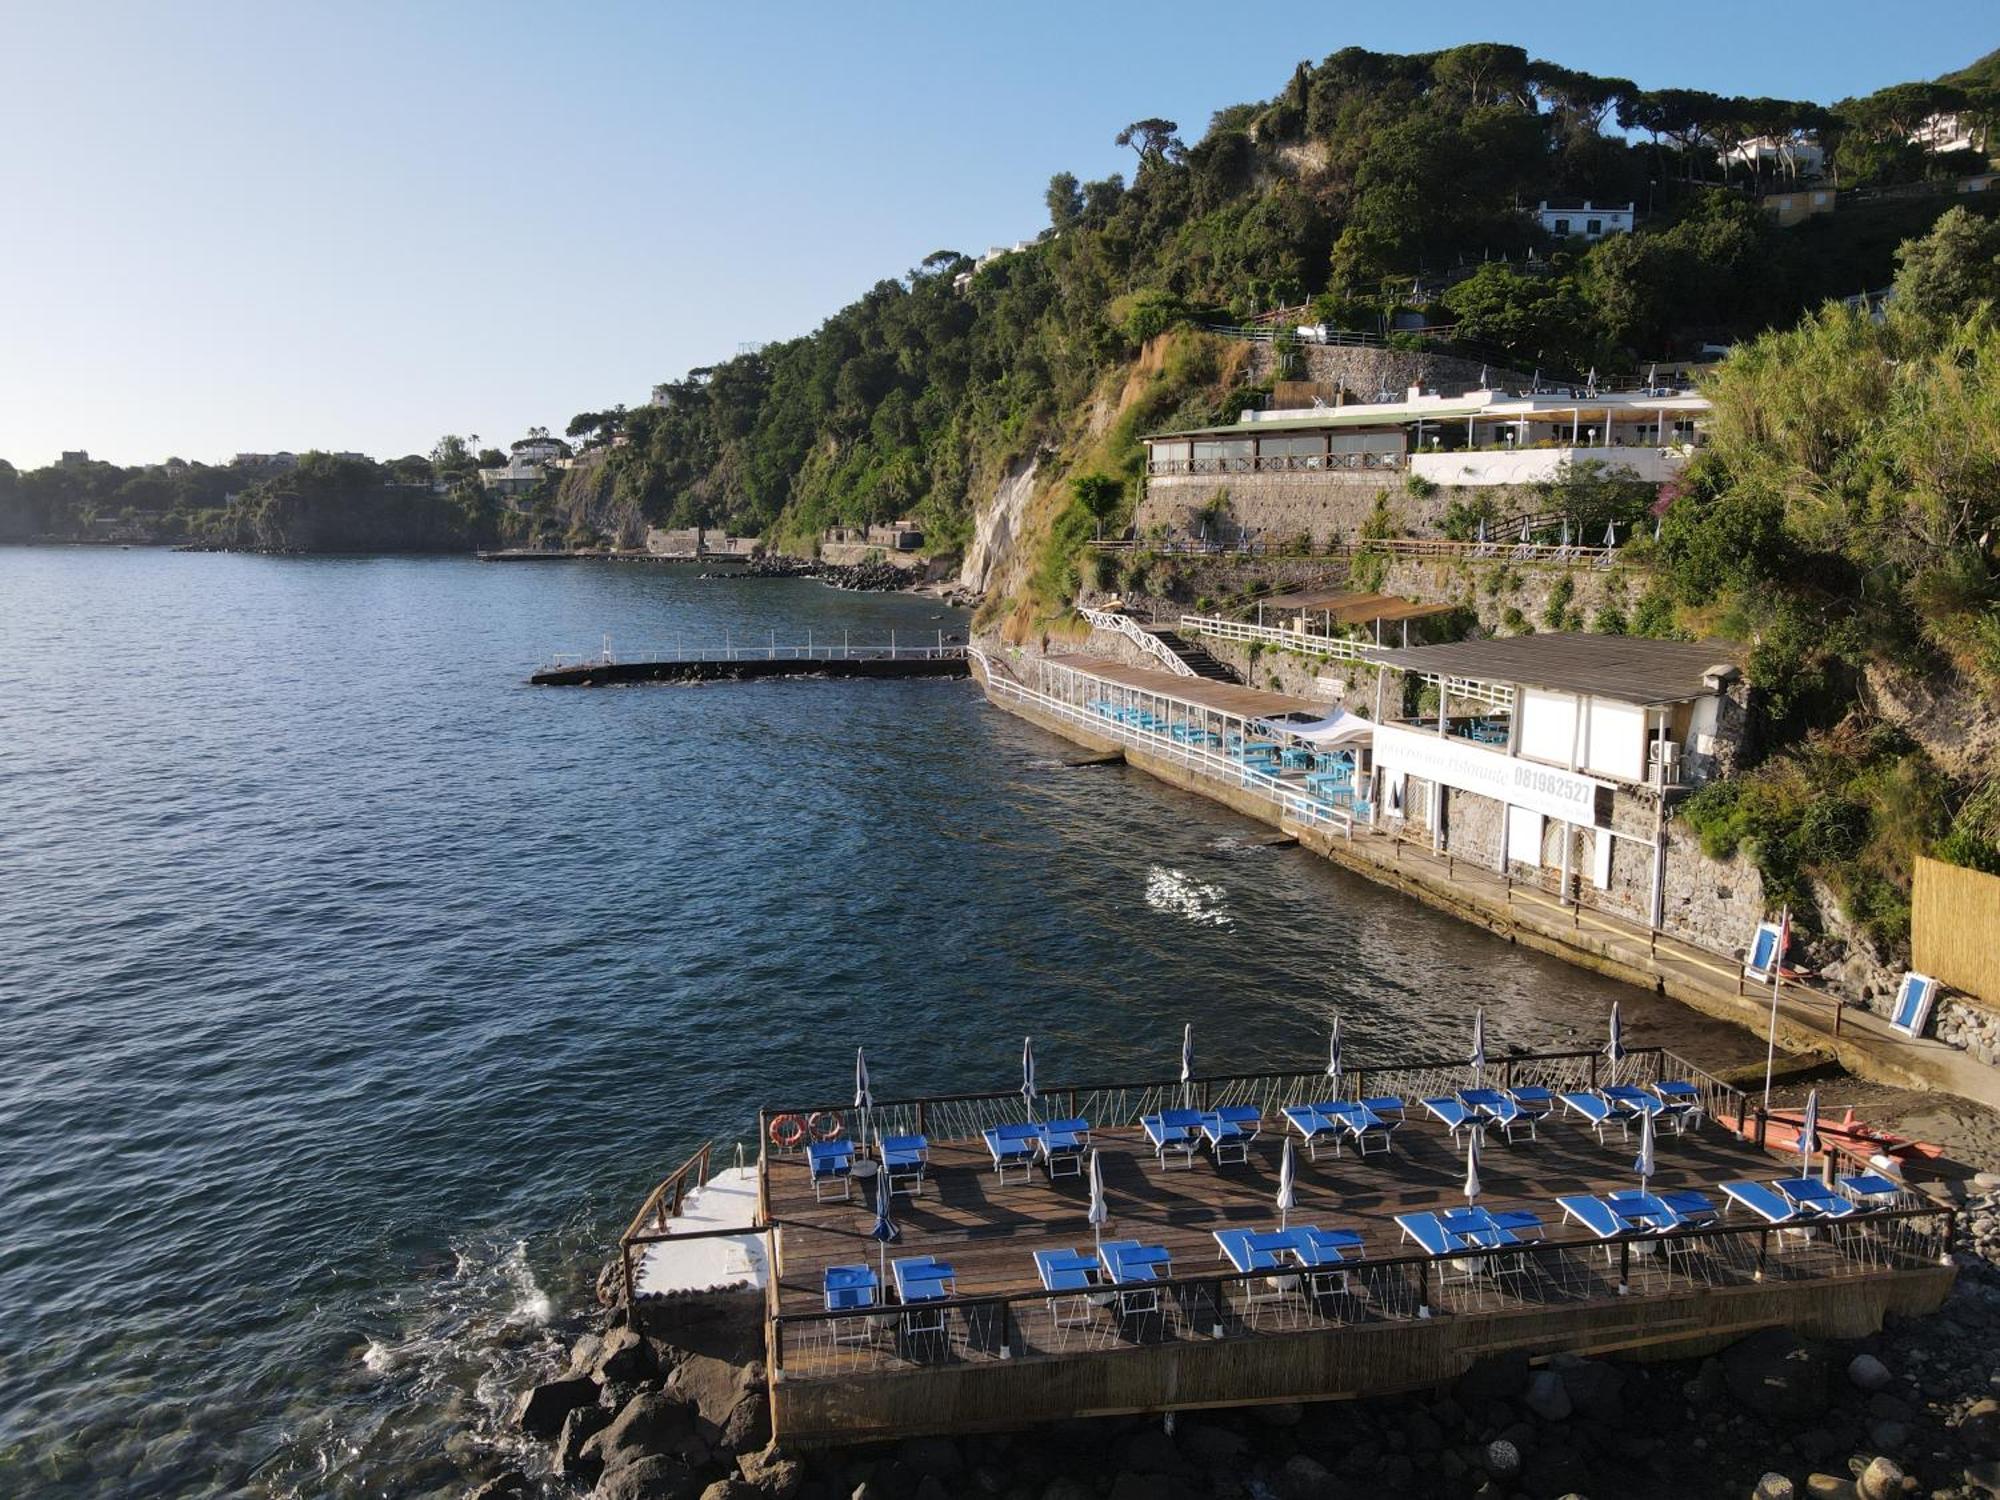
{"x":249,"y":227}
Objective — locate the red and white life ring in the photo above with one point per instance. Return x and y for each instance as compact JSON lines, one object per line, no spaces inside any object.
{"x":826,"y":1126}
{"x":787,"y":1131}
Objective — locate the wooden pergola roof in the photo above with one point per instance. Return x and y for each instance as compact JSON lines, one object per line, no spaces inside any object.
{"x":1198,"y":692}
{"x":1352,"y":608}
{"x":1627,"y":669}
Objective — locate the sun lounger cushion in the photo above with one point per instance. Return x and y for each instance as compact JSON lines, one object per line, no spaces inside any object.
{"x":1765,"y":1202}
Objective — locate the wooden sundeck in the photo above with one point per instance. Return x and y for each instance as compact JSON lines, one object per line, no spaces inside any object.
{"x":1003,"y":1352}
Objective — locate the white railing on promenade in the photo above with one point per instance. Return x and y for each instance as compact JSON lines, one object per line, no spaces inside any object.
{"x":1290,"y":800}
{"x":1498,"y":695}
{"x":768,"y":650}
{"x":1152,"y":645}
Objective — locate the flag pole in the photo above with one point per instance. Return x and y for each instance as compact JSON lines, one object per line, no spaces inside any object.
{"x":1777,"y":973}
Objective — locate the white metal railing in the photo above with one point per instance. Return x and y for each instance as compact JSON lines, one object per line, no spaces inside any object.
{"x":732,"y":649}
{"x":1276,"y":635}
{"x":1291,"y":801}
{"x":1104,"y":619}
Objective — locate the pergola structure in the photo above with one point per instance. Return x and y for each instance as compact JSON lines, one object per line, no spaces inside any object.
{"x":1352,"y":607}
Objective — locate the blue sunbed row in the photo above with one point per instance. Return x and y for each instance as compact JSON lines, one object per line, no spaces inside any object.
{"x":1368,"y":1123}
{"x":905,"y":1158}
{"x":1227,"y":1132}
{"x":1058,"y":1144}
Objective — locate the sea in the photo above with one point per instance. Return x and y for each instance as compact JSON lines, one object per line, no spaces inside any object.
{"x":353,"y":991}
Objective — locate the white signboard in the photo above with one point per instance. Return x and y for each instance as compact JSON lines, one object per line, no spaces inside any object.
{"x":1548,"y":790}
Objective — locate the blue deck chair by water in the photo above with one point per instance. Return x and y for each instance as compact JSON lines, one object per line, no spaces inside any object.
{"x":1245,"y":1117}
{"x":1594,"y":1214}
{"x":1389,"y":1108}
{"x":1428,"y":1231}
{"x":831,"y":1162}
{"x":1694,"y":1208}
{"x":848,"y":1289}
{"x":1320,"y":1253}
{"x":1535,"y":1101}
{"x":919,"y":1280}
{"x":1315,"y":1127}
{"x":1767,"y":1203}
{"x":905,"y":1158}
{"x":1499,"y":1110}
{"x":1068,"y":1276}
{"x":1013,"y":1148}
{"x":1683,"y":1101}
{"x":1173,"y":1133}
{"x":1227,"y":1141}
{"x":1369,"y":1131}
{"x":1634,"y":1100}
{"x":1522,"y":1223}
{"x":1913,"y":1003}
{"x":1062,"y":1145}
{"x":1254,"y":1251}
{"x":1455,"y":1117}
{"x":1128,"y":1265}
{"x":1597,"y":1113}
{"x":1814,"y":1198}
{"x":1871,"y":1189}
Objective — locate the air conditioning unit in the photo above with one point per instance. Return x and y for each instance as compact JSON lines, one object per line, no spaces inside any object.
{"x":1664,"y":763}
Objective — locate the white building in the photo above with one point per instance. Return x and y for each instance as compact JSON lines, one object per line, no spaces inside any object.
{"x":1947,"y":132}
{"x":519,"y":476}
{"x":1579,"y":218}
{"x":1803,"y":158}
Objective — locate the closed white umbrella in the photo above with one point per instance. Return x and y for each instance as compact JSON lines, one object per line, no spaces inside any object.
{"x":884,"y":1232}
{"x":1644,"y":1165}
{"x":1616,"y":1050}
{"x":1809,"y":1134}
{"x":1471,"y":1164}
{"x":1028,"y":1073}
{"x":1100,"y":1212}
{"x":1288,"y":1198}
{"x":1333,"y":1058}
{"x":864,"y":1100}
{"x":1479,"y":1047}
{"x":1187,"y":1065}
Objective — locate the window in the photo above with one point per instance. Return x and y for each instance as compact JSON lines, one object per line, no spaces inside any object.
{"x":1562,"y":227}
{"x":1593,"y":227}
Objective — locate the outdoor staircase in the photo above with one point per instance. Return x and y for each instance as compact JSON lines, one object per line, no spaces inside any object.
{"x":1195,"y":657}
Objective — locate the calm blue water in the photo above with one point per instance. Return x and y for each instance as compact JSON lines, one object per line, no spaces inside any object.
{"x":354,"y":992}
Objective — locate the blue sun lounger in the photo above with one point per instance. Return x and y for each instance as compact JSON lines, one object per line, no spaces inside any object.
{"x":1068,"y":1276}
{"x":1814,"y":1198}
{"x":1871,"y":1189}
{"x":1245,"y":1117}
{"x":1694,"y":1208}
{"x":1062,"y":1145}
{"x":831,"y":1162}
{"x":1455,"y":1116}
{"x":1536,"y":1102}
{"x":1595,"y":1215}
{"x":1765,"y":1202}
{"x":1013,"y":1148}
{"x":1597,"y":1113}
{"x":1128,"y":1264}
{"x":904,"y":1159}
{"x":1368,"y":1130}
{"x":1228,"y":1142}
{"x":1500,"y":1110}
{"x":1316,"y":1127}
{"x":1173,"y":1133}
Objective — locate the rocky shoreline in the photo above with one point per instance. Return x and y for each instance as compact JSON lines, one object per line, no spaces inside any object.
{"x":1911,"y":1411}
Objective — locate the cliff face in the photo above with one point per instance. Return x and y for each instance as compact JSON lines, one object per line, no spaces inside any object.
{"x":373,"y":518}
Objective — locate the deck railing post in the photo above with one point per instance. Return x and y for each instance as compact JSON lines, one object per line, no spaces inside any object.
{"x":1624,"y":1266}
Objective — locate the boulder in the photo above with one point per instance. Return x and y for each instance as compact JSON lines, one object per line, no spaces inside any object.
{"x":1983,"y":1478}
{"x":583,"y":1354}
{"x":1304,"y":1478}
{"x":1881,"y":1480}
{"x":773,"y":1472}
{"x":1888,"y":1437}
{"x":1205,"y":1443}
{"x":1774,"y":1373}
{"x":1867,"y":1373}
{"x":578,"y":1428}
{"x":1596,"y":1389}
{"x":1828,"y":1487}
{"x":1546,"y":1396}
{"x":1773,"y":1487}
{"x":1501,"y":1377}
{"x":937,"y":1457}
{"x":650,"y":1478}
{"x":1502,"y":1459}
{"x":749,"y":1425}
{"x":1422,"y":1432}
{"x":1555,"y":1470}
{"x":730,"y":1489}
{"x":711,"y":1386}
{"x":650,"y":1425}
{"x":1979,"y":1429}
{"x":930,"y":1487}
{"x":541,"y":1410}
{"x":624,"y":1357}
{"x":1151,"y":1451}
{"x":511,"y":1484}
{"x":1279,"y":1414}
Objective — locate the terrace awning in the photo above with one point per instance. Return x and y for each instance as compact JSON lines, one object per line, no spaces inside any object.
{"x":1338,"y":728}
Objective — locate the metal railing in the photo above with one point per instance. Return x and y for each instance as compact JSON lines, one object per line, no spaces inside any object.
{"x":662,"y":1206}
{"x":1337,"y":647}
{"x":731,"y":649}
{"x":1291,"y":800}
{"x":1279,"y":463}
{"x":1145,"y":640}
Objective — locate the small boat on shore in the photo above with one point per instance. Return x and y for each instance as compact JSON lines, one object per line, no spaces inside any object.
{"x":1888,"y":1152}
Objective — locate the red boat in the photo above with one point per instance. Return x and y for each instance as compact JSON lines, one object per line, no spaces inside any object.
{"x":1886,"y":1152}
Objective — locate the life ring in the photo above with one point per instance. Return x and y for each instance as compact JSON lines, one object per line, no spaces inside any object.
{"x":787,"y":1131}
{"x":826,"y":1126}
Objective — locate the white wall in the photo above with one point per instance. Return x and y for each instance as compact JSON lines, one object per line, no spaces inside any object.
{"x":1548,"y":725}
{"x":1541,"y":465}
{"x":1615,"y":740}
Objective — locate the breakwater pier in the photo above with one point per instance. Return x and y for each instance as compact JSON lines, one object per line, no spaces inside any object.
{"x":743,"y":661}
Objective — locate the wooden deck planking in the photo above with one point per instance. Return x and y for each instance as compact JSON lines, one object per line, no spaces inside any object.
{"x":989,"y":1233}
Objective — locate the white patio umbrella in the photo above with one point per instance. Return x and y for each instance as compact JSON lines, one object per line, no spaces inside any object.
{"x":864,"y":1100}
{"x":1472,"y":1137}
{"x":1809,"y":1134}
{"x":1028,"y":1073}
{"x":1100,"y":1211}
{"x":1644,"y":1165}
{"x":1615,"y":1050}
{"x":1333,"y":1057}
{"x":1187,"y":1065}
{"x":884,"y":1231}
{"x":1288,"y":1198}
{"x":1479,"y":1047}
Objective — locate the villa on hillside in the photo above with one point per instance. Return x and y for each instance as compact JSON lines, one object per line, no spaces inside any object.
{"x":1579,"y":218}
{"x":519,"y":475}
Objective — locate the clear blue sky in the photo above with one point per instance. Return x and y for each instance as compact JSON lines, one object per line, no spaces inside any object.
{"x":359,"y":225}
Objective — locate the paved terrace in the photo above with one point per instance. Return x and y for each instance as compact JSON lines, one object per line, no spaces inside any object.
{"x":1219,"y":1338}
